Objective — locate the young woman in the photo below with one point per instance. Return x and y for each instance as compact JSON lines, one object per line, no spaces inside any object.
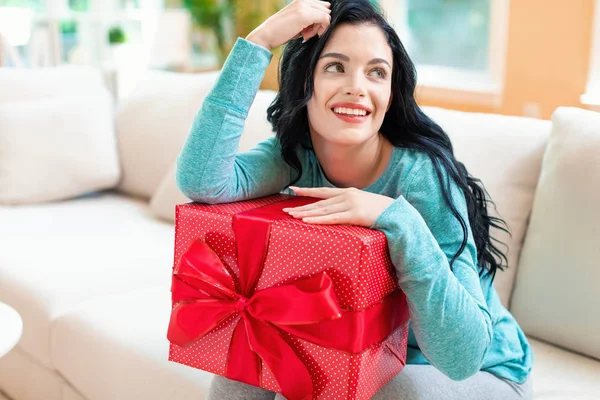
{"x":348,"y":131}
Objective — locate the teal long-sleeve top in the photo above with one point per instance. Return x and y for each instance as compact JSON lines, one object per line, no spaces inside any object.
{"x":458,"y":323}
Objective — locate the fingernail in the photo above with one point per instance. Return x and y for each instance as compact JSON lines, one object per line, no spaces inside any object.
{"x":304,"y":41}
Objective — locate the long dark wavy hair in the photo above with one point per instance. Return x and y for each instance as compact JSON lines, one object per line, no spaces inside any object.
{"x":405,"y":124}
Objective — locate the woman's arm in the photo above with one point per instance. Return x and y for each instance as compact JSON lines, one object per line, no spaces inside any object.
{"x":450,"y":319}
{"x":209,"y":168}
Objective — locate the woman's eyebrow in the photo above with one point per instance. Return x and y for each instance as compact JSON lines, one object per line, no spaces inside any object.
{"x":379,"y":61}
{"x":336,"y":55}
{"x":347,"y":59}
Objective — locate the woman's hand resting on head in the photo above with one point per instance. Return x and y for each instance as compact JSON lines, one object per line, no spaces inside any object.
{"x":305,"y":18}
{"x":341,"y":206}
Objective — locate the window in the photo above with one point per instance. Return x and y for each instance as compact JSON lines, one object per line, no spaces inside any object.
{"x":453,"y":34}
{"x":592,"y":95}
{"x":458,"y":46}
{"x":65,"y":31}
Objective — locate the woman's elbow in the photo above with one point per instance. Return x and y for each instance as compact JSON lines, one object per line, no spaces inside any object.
{"x":189,"y":188}
{"x":203,"y":195}
{"x":184,"y":187}
{"x":182,"y":179}
{"x":190,"y":191}
{"x":468,"y":364}
{"x":463,"y":371}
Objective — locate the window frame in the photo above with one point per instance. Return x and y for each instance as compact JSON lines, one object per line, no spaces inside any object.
{"x":457,"y":85}
{"x":591,"y":97}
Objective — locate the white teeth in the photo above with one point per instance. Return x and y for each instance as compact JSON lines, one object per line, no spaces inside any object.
{"x":349,"y":111}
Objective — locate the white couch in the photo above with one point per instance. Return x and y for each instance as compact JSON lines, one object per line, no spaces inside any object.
{"x":90,"y":274}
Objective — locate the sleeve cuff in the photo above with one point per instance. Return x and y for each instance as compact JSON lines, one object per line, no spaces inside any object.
{"x":393,"y":214}
{"x":407,"y":234}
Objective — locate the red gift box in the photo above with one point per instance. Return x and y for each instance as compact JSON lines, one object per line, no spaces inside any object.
{"x":310,"y":311}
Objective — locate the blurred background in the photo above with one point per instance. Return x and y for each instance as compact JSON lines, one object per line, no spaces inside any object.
{"x":520,"y":57}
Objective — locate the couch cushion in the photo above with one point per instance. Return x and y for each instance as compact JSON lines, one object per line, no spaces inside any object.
{"x":116,"y":348}
{"x":257,"y":129}
{"x":153,"y":123}
{"x":559,"y":374}
{"x":54,"y":256}
{"x":57,"y":148}
{"x":505,"y":152}
{"x":556,"y":297}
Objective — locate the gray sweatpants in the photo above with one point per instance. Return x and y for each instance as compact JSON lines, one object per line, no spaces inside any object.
{"x":415,"y":382}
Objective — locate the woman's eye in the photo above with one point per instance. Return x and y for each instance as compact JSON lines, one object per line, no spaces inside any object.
{"x":335,"y":67}
{"x":380,"y":73}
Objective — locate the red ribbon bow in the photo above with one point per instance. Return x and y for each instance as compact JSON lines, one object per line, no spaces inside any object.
{"x":205,"y":295}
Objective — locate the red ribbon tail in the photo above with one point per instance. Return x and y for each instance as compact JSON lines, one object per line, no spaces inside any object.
{"x":245,"y":364}
{"x":291,"y":373}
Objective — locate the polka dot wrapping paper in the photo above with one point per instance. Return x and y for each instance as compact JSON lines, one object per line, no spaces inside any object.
{"x":355,"y":258}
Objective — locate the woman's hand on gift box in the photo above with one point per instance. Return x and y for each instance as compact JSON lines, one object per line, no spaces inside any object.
{"x":340,"y":206}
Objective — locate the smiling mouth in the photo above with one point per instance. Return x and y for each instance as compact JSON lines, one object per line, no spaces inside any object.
{"x":350,"y":112}
{"x":354,"y":117}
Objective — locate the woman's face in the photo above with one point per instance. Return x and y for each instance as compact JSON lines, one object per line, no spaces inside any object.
{"x":352,"y":86}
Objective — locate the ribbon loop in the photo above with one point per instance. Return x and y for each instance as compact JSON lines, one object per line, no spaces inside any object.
{"x":192,"y":320}
{"x":204,"y":271}
{"x":303,"y":302}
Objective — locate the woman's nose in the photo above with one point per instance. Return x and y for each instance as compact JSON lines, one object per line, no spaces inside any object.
{"x":355,"y":87}
{"x":355,"y":92}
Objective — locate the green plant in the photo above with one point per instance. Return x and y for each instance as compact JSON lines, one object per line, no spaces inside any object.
{"x":79,"y":5}
{"x":68,"y":27}
{"x":242,"y":15}
{"x":211,"y":14}
{"x":253,"y":13}
{"x":116,"y":35}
